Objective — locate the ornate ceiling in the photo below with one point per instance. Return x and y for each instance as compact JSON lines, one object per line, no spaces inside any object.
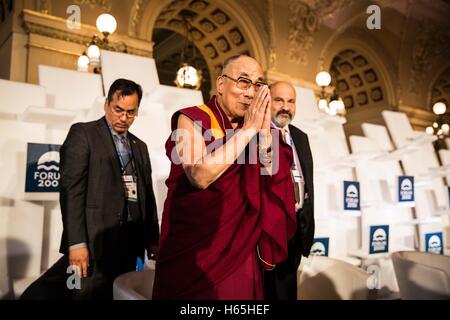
{"x":213,"y":31}
{"x":356,"y":80}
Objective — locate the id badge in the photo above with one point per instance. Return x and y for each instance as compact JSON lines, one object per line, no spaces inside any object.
{"x":130,"y":185}
{"x":297,"y":176}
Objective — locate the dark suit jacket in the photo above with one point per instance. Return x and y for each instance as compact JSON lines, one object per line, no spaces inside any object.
{"x":305,"y":228}
{"x":281,"y":283}
{"x":92,"y":197}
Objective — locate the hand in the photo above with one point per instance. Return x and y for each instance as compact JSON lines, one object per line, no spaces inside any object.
{"x":80,"y":258}
{"x":152,"y":252}
{"x":255,"y":114}
{"x":267,"y":115}
{"x":265,"y":137}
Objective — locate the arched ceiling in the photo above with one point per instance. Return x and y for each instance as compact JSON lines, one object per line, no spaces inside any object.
{"x":213,"y":31}
{"x":356,"y":80}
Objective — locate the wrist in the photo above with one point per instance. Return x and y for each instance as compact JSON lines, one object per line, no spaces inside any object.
{"x":249,"y":132}
{"x":265,"y":141}
{"x":265,"y":155}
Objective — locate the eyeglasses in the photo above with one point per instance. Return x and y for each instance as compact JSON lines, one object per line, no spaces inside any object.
{"x":245,"y":83}
{"x":118,"y":111}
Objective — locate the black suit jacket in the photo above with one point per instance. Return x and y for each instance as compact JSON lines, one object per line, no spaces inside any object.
{"x":304,"y":236}
{"x":281,"y":283}
{"x":92,"y":197}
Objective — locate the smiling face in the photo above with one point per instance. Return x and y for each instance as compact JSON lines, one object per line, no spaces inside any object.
{"x":283,"y":103}
{"x":235,"y":101}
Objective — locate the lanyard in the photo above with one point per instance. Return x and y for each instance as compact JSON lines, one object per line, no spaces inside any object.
{"x":130,"y":154}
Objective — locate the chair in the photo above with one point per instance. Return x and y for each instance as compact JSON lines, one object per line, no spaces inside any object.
{"x":134,"y":285}
{"x":324,"y":278}
{"x":422,"y":275}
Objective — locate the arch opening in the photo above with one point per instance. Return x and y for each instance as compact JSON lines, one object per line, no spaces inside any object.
{"x":356,"y":80}
{"x":169,"y":46}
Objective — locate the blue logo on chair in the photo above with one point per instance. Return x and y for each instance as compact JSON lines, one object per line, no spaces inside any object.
{"x":379,"y":239}
{"x":320,"y":247}
{"x":139,"y":264}
{"x":433,"y":243}
{"x":405,"y":189}
{"x":351,"y":195}
{"x":42,"y":173}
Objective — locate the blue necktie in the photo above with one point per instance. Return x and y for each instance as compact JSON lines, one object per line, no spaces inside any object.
{"x":132,"y":211}
{"x":122,"y":146}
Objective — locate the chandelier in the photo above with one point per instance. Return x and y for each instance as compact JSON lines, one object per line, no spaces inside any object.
{"x":187,"y":75}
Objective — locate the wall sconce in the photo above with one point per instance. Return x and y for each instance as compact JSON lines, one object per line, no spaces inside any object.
{"x":83,"y":63}
{"x":106,"y":25}
{"x":439,"y":128}
{"x":330,"y":104}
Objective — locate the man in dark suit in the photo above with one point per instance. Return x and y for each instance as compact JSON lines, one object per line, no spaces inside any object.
{"x":281,"y":282}
{"x":107,"y":202}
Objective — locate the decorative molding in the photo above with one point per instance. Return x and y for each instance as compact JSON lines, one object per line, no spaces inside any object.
{"x":55,"y":28}
{"x":136,"y":16}
{"x":32,"y":27}
{"x":102,"y":4}
{"x":431,"y":42}
{"x":271,"y":31}
{"x":329,"y":7}
{"x":304,"y":20}
{"x":48,"y":48}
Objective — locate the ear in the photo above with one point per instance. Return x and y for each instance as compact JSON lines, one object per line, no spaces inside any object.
{"x":105,"y":106}
{"x":219,"y":85}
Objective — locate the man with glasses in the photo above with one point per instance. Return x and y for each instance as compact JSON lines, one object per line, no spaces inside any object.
{"x":226,"y":217}
{"x":107,"y":203}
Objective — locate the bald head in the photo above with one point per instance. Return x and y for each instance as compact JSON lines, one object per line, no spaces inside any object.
{"x":283,"y":103}
{"x":283,"y":84}
{"x":234,"y":100}
{"x":240,"y":58}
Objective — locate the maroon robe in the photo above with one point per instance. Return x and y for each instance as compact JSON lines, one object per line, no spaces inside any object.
{"x":210,"y":236}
